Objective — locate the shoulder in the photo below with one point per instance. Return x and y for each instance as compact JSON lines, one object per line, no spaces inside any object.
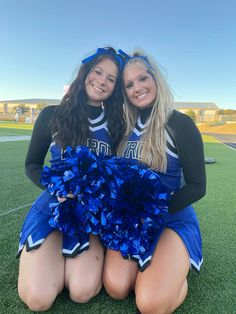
{"x":42,"y":123}
{"x":184,"y":130}
{"x":177,"y":119}
{"x":181,"y":124}
{"x":48,"y":111}
{"x":46,"y":114}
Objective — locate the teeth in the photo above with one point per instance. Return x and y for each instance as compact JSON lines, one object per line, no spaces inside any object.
{"x":140,"y":97}
{"x":98,"y":89}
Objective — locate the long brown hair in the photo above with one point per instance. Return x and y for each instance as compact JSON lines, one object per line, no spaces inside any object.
{"x":69,"y":125}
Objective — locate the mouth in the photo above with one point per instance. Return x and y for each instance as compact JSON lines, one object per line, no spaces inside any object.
{"x":142,"y":96}
{"x":98,"y":89}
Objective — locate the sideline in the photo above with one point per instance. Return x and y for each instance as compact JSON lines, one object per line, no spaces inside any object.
{"x":15,"y":138}
{"x":228,"y":139}
{"x":9,"y":211}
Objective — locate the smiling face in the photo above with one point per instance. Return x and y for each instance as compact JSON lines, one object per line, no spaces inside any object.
{"x":139,"y":85}
{"x":101,"y":81}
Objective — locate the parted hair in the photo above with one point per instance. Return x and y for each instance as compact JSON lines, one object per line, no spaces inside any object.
{"x":154,"y":140}
{"x":69,"y":124}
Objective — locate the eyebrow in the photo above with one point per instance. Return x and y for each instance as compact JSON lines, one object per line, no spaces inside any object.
{"x":110,"y":75}
{"x":137,"y":77}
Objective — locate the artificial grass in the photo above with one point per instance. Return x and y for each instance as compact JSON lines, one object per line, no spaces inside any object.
{"x":210,"y":292}
{"x":14,"y":125}
{"x":14,"y":132}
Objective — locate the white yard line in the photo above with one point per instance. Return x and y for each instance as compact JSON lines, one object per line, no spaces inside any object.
{"x":9,"y":211}
{"x":15,"y":138}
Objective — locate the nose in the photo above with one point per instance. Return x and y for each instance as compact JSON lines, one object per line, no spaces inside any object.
{"x":102,"y":79}
{"x":137,"y":86}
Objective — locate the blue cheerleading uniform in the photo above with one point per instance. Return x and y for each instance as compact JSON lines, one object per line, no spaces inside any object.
{"x":36,"y":226}
{"x":179,"y":177}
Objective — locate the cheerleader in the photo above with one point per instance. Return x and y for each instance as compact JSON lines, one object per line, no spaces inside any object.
{"x":89,"y":114}
{"x":169,"y":143}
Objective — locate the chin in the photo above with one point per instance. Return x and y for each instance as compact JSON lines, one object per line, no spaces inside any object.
{"x":143,"y":106}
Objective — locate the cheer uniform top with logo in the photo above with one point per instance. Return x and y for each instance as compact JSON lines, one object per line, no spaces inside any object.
{"x":185,"y":175}
{"x":36,"y":226}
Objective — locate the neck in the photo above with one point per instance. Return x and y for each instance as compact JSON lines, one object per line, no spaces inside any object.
{"x":145,"y":113}
{"x":95,"y":103}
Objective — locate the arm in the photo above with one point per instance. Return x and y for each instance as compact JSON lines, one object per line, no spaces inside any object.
{"x":191,"y":154}
{"x":38,"y":147}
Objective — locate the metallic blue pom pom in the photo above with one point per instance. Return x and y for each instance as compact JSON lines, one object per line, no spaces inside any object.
{"x":123,"y":202}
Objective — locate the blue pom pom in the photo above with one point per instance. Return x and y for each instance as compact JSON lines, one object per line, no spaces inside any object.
{"x":79,"y":174}
{"x":122,"y":201}
{"x":138,"y":208}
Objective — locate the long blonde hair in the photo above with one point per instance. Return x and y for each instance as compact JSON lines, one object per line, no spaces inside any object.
{"x":154,"y":138}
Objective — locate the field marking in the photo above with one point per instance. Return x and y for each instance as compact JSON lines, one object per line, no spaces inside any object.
{"x":9,"y":211}
{"x":15,"y":138}
{"x":11,"y":134}
{"x":229,"y":145}
{"x":227,"y":139}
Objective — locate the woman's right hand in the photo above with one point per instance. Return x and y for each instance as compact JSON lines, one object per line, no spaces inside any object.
{"x":63,"y":199}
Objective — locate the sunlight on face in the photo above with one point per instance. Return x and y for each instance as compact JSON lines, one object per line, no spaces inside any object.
{"x":139,"y":85}
{"x":101,"y":81}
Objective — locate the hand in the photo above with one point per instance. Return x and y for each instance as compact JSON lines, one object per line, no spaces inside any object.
{"x":63,"y":199}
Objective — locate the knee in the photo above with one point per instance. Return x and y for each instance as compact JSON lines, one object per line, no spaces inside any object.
{"x":153,"y":303}
{"x":83,"y":293}
{"x":117,"y":288}
{"x":37,"y":301}
{"x":160,"y":300}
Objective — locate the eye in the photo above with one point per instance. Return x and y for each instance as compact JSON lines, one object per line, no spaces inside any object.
{"x":128,"y":85}
{"x":98,"y":72}
{"x":110,"y":79}
{"x":143,"y":78}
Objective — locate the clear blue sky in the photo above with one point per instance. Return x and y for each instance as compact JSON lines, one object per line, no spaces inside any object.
{"x":42,"y":43}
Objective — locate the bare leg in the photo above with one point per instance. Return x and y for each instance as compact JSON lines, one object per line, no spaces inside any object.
{"x":41,"y":273}
{"x":162,"y":287}
{"x":119,"y":275}
{"x":83,"y":274}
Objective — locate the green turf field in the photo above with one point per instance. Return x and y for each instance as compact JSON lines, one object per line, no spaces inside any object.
{"x":213,"y":291}
{"x":14,"y":125}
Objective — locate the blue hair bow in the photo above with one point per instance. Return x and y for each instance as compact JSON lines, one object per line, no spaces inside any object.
{"x":124,"y":55}
{"x":105,"y":51}
{"x":127,"y":57}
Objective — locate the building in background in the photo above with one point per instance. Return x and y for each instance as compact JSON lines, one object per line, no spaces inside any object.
{"x":29,"y":109}
{"x":8,"y":106}
{"x":26,"y":110}
{"x":199,"y":111}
